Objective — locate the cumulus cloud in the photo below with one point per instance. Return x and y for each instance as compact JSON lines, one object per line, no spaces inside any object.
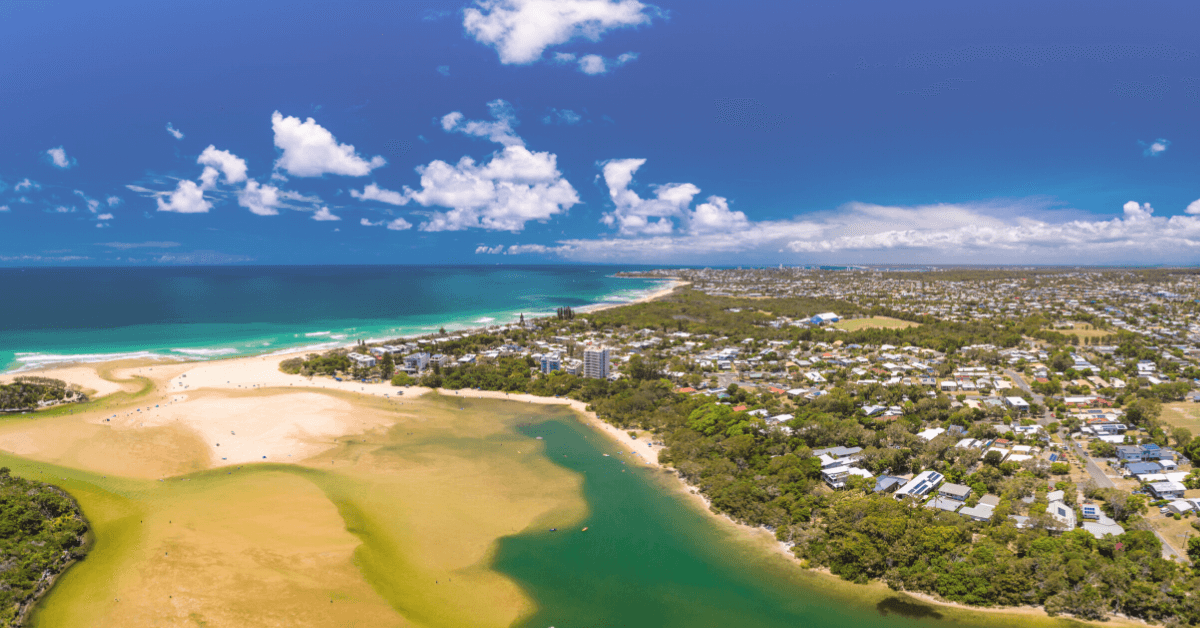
{"x":375,"y":193}
{"x":310,"y":150}
{"x":260,"y":199}
{"x":513,"y":187}
{"x":176,"y":133}
{"x":323,"y":214}
{"x":483,"y":249}
{"x":4,"y":208}
{"x":500,"y":130}
{"x":1194,"y":207}
{"x":224,"y":162}
{"x":113,"y":201}
{"x":562,"y":116}
{"x":63,"y":209}
{"x":367,"y":223}
{"x":1155,"y":148}
{"x":521,"y":30}
{"x":59,"y":158}
{"x":104,"y":217}
{"x":188,"y":198}
{"x":634,"y":215}
{"x":595,"y":64}
{"x":26,"y":184}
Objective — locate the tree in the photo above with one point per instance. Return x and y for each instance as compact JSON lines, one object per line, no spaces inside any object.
{"x":1193,"y":549}
{"x":1181,"y":435}
{"x":993,"y":458}
{"x":388,"y":366}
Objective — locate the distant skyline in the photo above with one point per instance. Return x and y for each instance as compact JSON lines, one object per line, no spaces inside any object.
{"x":599,"y":131}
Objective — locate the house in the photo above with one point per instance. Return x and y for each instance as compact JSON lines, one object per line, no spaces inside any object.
{"x":983,"y":510}
{"x":416,"y":362}
{"x":1180,"y":506}
{"x":1063,"y":514}
{"x":920,"y":486}
{"x":1167,"y":490}
{"x":1017,"y":403}
{"x":888,"y":483}
{"x":931,"y":433}
{"x":1141,"y":469}
{"x":955,"y":491}
{"x":362,"y":361}
{"x":942,"y":503}
{"x":1091,"y":512}
{"x":1129,"y":453}
{"x":1103,"y":526}
{"x":836,"y":476}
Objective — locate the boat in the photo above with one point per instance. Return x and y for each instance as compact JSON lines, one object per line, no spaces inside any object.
{"x":554,"y":529}
{"x":584,"y":529}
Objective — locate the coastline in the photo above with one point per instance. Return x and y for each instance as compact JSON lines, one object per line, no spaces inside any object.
{"x":40,"y":363}
{"x":259,"y":375}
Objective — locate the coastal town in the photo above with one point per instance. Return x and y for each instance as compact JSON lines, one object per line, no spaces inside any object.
{"x":1051,"y":403}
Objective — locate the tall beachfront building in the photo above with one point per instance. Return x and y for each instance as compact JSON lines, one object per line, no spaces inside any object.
{"x":595,"y":362}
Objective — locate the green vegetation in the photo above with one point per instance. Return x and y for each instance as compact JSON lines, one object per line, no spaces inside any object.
{"x":42,"y":532}
{"x":331,"y":363}
{"x":25,"y":393}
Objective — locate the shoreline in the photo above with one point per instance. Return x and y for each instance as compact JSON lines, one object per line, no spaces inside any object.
{"x":260,"y":374}
{"x":206,"y":354}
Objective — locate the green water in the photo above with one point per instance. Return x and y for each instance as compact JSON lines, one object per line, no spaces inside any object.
{"x":651,"y":558}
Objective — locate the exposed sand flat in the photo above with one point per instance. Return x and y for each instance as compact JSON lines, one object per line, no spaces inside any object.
{"x":87,"y":377}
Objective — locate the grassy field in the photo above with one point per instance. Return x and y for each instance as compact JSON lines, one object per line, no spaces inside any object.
{"x":1084,"y":330}
{"x":1182,"y":414}
{"x":875,"y":322}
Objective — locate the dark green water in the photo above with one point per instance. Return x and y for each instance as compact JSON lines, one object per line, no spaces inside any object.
{"x":651,"y":559}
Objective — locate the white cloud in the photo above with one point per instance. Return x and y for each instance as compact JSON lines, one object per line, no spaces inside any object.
{"x":188,"y":198}
{"x":230,"y":165}
{"x":4,"y":208}
{"x":945,"y":233}
{"x":521,"y":30}
{"x":1156,"y":148}
{"x":309,"y":150}
{"x":176,"y":133}
{"x":262,"y":200}
{"x":562,"y":116}
{"x":324,"y":214}
{"x":495,"y":250}
{"x":104,"y":217}
{"x":92,"y":204}
{"x":635,"y":215}
{"x":113,"y":201}
{"x":399,"y":224}
{"x":375,"y":193}
{"x":715,"y":217}
{"x":500,"y":131}
{"x":59,"y":158}
{"x":367,"y":223}
{"x":594,"y":64}
{"x":513,"y":188}
{"x":63,"y":209}
{"x":1194,"y":207}
{"x":26,"y":184}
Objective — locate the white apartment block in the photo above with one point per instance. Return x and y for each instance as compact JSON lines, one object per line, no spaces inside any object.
{"x":596,"y":362}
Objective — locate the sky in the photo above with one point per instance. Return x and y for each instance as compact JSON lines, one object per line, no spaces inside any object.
{"x":599,"y":131}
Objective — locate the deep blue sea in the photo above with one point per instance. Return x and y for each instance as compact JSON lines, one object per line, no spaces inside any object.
{"x":57,"y":315}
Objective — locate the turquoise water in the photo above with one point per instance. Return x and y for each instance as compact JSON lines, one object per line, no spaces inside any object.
{"x":96,"y":314}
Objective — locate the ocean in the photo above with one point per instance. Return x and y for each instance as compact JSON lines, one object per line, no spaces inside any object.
{"x":59,"y":315}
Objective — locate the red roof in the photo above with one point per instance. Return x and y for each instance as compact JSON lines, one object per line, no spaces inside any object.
{"x":686,"y":390}
{"x":739,"y":408}
{"x":777,"y":391}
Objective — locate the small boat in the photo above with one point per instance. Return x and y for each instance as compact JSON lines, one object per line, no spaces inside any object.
{"x":605,"y":455}
{"x":584,"y":529}
{"x":554,"y":529}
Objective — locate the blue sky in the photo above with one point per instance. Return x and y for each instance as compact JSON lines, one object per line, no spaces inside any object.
{"x":525,"y":131}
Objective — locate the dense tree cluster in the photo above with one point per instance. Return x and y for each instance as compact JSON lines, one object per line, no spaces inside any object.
{"x":26,"y":392}
{"x":41,"y":533}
